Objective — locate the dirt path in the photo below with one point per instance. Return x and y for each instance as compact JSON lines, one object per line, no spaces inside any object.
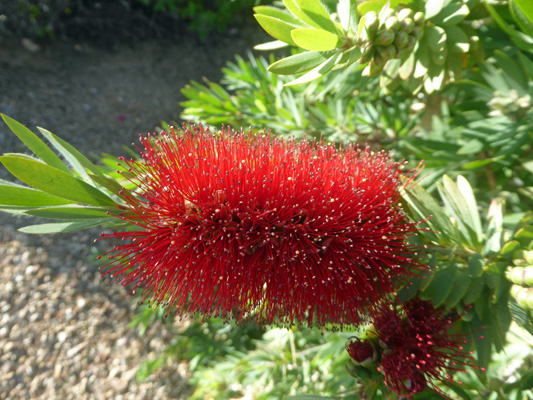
{"x":64,"y":331}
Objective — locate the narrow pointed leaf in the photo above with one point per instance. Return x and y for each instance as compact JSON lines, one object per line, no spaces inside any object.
{"x":526,"y":6}
{"x":54,"y":181}
{"x":274,"y":45}
{"x":74,"y":163}
{"x":69,"y":149}
{"x":316,"y":72}
{"x":297,"y":63}
{"x":58,"y":227}
{"x":468,"y":195}
{"x":39,"y":148}
{"x":14,"y":195}
{"x":72,"y":212}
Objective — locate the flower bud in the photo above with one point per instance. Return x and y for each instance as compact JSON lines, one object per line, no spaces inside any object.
{"x":410,"y":44}
{"x":384,"y":14}
{"x":521,"y":276}
{"x":523,"y":296}
{"x":371,"y":24}
{"x":419,"y":18}
{"x":385,"y":37}
{"x":392,"y":23}
{"x":417,"y":32}
{"x":388,"y":53}
{"x":362,"y":352}
{"x":401,"y":40}
{"x":405,"y":13}
{"x":368,"y":51}
{"x":528,"y":256}
{"x":407,"y":25}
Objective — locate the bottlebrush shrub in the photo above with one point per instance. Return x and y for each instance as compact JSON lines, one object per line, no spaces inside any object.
{"x":248,"y":226}
{"x":415,"y":347}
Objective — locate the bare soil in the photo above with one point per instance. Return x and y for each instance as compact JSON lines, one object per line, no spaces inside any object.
{"x":64,"y":331}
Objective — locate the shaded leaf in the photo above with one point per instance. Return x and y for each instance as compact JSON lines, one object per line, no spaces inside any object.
{"x":297,"y":63}
{"x":72,"y":212}
{"x":58,"y":227}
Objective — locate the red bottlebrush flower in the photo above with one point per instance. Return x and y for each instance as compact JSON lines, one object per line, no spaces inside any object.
{"x":361,"y":351}
{"x":417,"y":348}
{"x":250,"y":226}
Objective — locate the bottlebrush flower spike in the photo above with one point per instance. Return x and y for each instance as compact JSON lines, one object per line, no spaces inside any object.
{"x":417,"y":348}
{"x":248,"y":226}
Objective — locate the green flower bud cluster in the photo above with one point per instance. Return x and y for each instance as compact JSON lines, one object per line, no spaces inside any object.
{"x":389,"y":35}
{"x":522,"y":278}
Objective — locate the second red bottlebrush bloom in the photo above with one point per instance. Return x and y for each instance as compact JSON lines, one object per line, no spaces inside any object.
{"x":417,"y":348}
{"x":248,"y":226}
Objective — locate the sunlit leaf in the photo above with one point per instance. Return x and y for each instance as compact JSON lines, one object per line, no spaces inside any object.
{"x":276,"y":28}
{"x":54,"y":181}
{"x":35,"y":144}
{"x":315,"y":39}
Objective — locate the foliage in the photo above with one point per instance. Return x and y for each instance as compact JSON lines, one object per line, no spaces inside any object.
{"x":347,"y":107}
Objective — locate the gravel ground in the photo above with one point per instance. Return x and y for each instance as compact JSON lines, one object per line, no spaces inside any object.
{"x":64,"y":331}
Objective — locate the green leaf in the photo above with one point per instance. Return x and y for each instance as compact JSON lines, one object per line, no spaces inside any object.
{"x":457,"y":389}
{"x":477,"y":164}
{"x":422,"y":62}
{"x":436,"y":40}
{"x":463,"y":211}
{"x":39,"y":148}
{"x":474,"y":291}
{"x":78,"y":161}
{"x":440,"y":286}
{"x":468,"y":195}
{"x":14,"y":195}
{"x":276,"y":28}
{"x":452,"y":14}
{"x":494,"y":228}
{"x":407,"y":67}
{"x":315,"y":39}
{"x":275,"y":12}
{"x":476,"y":263}
{"x":109,"y":183}
{"x":375,"y":5}
{"x":390,"y":72}
{"x":347,"y":12}
{"x":433,"y":7}
{"x":73,"y":212}
{"x":58,"y":227}
{"x":460,"y":286}
{"x":269,"y":46}
{"x":457,"y":39}
{"x":473,"y":146}
{"x":425,"y":205}
{"x":526,"y":6}
{"x":54,"y":181}
{"x":523,"y":21}
{"x":297,"y":63}
{"x":311,"y":12}
{"x":318,"y":71}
